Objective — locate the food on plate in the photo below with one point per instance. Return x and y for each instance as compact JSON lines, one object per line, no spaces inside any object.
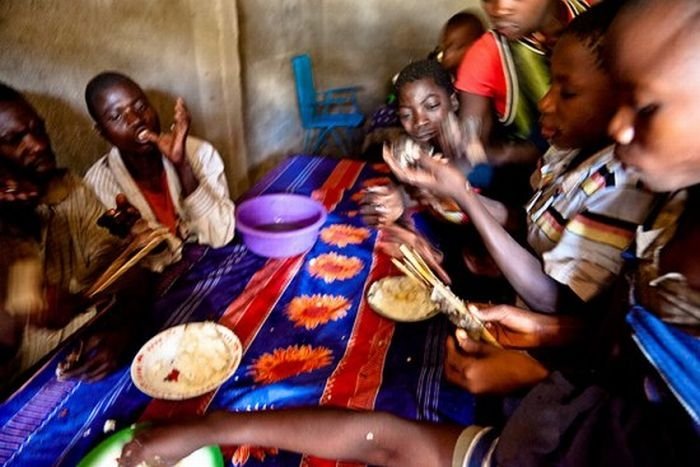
{"x":186,"y":360}
{"x":401,"y":298}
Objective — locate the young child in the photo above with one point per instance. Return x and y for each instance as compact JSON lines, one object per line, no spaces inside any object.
{"x":590,"y":424}
{"x":426,"y":99}
{"x":586,"y":205}
{"x":458,"y":34}
{"x":173,"y":179}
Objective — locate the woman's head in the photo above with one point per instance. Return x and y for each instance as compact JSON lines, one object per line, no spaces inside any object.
{"x":425,"y":97}
{"x":654,"y":56}
{"x":577,"y":109}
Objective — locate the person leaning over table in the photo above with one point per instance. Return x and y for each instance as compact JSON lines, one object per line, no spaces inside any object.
{"x":52,"y":250}
{"x":603,"y":417}
{"x":171,"y":178}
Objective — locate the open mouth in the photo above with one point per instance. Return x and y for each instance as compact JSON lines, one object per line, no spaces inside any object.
{"x":142,"y":135}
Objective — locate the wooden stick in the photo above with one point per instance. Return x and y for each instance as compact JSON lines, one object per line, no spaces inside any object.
{"x":414,"y":259}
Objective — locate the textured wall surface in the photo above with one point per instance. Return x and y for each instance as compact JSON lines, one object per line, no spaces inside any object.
{"x":351,"y":42}
{"x":51,"y":48}
{"x":228,"y":59}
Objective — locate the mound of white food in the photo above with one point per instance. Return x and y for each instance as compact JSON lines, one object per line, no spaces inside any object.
{"x":401,"y":298}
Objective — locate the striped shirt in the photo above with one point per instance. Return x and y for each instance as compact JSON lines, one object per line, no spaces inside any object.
{"x":72,"y":250}
{"x":206,"y":216}
{"x":582,"y":218}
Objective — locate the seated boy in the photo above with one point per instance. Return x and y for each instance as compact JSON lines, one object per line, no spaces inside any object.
{"x":586,"y":205}
{"x":173,"y":179}
{"x":51,"y":250}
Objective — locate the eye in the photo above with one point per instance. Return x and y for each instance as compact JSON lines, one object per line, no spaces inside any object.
{"x":114,"y":117}
{"x":12,"y":138}
{"x":566,"y":94}
{"x":647,"y":111}
{"x":140,"y":106}
{"x":432,"y":105}
{"x":404,"y":116}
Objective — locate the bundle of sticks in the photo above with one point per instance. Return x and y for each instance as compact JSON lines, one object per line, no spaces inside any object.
{"x":132,"y":254}
{"x":415,"y":267}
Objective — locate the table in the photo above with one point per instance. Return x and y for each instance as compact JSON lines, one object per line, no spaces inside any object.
{"x":344,"y":355}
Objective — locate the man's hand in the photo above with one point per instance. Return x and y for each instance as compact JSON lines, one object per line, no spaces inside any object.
{"x":172,"y":145}
{"x":164,"y":445}
{"x":97,"y":356}
{"x":14,"y":190}
{"x":120,"y":220}
{"x":484,"y":369}
{"x":518,"y":328}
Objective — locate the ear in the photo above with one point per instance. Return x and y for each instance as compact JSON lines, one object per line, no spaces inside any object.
{"x":454,"y":102}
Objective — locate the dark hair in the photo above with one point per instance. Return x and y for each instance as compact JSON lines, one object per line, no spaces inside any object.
{"x":8,"y":94}
{"x":425,"y":69}
{"x":465,"y":18}
{"x":103,"y":81}
{"x":591,"y":26}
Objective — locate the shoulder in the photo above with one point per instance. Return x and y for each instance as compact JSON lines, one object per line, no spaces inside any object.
{"x":481,"y":68}
{"x":202,"y":154}
{"x":99,"y":167}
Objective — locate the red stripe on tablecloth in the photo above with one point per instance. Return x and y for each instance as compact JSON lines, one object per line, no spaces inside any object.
{"x":343,"y":177}
{"x":356,"y":380}
{"x":246,"y":314}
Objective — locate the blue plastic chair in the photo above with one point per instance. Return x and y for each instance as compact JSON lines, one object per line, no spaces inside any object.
{"x":324,"y":113}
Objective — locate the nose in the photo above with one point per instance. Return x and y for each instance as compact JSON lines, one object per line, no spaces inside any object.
{"x":421,"y":120}
{"x":132,"y":117}
{"x":546,"y":104}
{"x":35,"y":144}
{"x":621,"y":126}
{"x":500,"y":7}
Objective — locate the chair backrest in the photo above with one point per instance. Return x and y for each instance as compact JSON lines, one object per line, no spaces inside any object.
{"x":306,"y":92}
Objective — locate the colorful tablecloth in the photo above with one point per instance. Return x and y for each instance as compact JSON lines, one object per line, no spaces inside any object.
{"x":308,"y":335}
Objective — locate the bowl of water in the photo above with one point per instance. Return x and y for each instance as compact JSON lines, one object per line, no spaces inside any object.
{"x":280,"y":225}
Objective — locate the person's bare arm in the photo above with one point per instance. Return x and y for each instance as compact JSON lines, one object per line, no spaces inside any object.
{"x":368,"y":437}
{"x":498,"y":152}
{"x":521,"y":268}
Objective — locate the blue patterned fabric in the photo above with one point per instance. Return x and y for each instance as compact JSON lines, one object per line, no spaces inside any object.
{"x":675,"y":355}
{"x":49,"y":422}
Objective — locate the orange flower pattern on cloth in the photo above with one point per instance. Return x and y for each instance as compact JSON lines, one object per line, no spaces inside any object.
{"x":244,"y":453}
{"x":284,"y":363}
{"x":377,"y":181}
{"x":342,"y":235}
{"x":332,"y":267}
{"x":312,"y":311}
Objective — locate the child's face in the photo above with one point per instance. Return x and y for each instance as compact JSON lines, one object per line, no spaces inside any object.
{"x":423,"y":106}
{"x":516,"y":18}
{"x":454,"y":43}
{"x":123,"y":111}
{"x":578,"y":107}
{"x":23,"y":140}
{"x":656,"y":126}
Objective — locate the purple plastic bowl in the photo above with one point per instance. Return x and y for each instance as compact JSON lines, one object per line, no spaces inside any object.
{"x":279,"y":225}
